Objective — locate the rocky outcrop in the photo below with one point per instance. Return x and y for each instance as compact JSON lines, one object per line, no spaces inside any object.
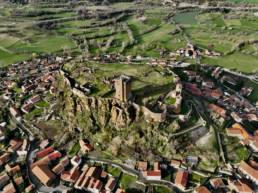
{"x":124,"y":129}
{"x":89,"y":112}
{"x":101,"y":111}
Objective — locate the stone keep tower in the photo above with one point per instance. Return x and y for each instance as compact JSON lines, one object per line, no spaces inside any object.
{"x":123,"y":86}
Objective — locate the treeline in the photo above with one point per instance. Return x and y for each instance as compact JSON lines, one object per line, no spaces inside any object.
{"x":111,"y":21}
{"x":20,"y":1}
{"x":36,"y":12}
{"x":110,"y":1}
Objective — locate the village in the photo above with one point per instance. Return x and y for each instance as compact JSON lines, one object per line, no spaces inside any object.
{"x":30,"y":166}
{"x":115,"y":96}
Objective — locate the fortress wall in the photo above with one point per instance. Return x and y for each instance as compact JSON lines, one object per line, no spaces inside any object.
{"x":156,"y":117}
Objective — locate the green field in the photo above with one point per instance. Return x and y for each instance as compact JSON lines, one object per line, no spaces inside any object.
{"x":243,"y":1}
{"x":186,"y":18}
{"x":16,"y":49}
{"x":236,"y":61}
{"x":22,"y":34}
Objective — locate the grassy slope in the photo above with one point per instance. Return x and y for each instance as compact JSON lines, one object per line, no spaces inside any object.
{"x":237,"y":61}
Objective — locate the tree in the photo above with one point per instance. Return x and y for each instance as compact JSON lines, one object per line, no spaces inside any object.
{"x":105,"y":3}
{"x":133,"y":190}
{"x":23,"y":2}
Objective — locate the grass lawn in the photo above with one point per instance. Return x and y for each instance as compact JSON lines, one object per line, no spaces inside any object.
{"x":42,"y":104}
{"x":145,"y":78}
{"x":160,"y":34}
{"x":167,"y":177}
{"x":126,"y":180}
{"x":34,"y":113}
{"x":161,"y":189}
{"x":209,"y":165}
{"x":196,"y":178}
{"x":143,"y":72}
{"x":17,"y":90}
{"x":74,"y":150}
{"x":242,"y":153}
{"x":113,"y":171}
{"x":235,"y":151}
{"x":139,"y":25}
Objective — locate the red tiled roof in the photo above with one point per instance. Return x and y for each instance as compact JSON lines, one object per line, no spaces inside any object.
{"x":222,"y":112}
{"x":44,"y":152}
{"x":248,"y":169}
{"x":181,"y":178}
{"x":202,"y":189}
{"x":153,"y":173}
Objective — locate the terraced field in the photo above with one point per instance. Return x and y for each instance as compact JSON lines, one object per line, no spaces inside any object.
{"x":127,"y":28}
{"x":244,"y":1}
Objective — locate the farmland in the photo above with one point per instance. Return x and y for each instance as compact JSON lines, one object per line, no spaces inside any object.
{"x":244,"y":1}
{"x":125,"y":28}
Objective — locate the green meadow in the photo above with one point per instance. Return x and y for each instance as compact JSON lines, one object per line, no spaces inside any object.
{"x":147,"y":33}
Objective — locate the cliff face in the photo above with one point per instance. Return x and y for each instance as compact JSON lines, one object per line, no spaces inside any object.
{"x":105,"y":112}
